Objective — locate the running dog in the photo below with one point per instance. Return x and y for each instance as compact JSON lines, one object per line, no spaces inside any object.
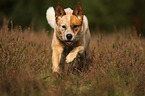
{"x":71,"y":34}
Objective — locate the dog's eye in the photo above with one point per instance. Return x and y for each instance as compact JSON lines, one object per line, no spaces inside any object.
{"x":75,"y":26}
{"x":63,"y":26}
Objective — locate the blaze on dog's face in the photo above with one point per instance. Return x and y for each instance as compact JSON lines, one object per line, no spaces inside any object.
{"x":69,"y":24}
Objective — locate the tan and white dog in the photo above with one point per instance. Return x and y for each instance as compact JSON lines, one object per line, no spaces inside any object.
{"x":71,"y":34}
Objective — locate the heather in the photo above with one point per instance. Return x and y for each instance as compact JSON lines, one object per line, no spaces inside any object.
{"x":115,"y":65}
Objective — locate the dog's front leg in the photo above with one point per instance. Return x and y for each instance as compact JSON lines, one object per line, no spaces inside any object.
{"x":56,"y":56}
{"x":73,"y":54}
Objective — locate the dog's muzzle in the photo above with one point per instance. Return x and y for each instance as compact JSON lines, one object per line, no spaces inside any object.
{"x":69,"y":39}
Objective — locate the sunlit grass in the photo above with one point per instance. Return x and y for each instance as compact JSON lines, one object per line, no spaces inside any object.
{"x":116,"y":65}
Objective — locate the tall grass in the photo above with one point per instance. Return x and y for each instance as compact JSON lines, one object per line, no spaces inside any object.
{"x":116,"y":65}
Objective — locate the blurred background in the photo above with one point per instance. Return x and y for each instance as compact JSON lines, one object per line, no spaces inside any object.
{"x":102,"y":14}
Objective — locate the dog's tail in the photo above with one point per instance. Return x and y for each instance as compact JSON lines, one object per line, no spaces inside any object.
{"x":50,"y":16}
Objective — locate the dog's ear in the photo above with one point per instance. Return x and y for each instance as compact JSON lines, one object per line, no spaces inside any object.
{"x":78,"y":11}
{"x":59,"y":11}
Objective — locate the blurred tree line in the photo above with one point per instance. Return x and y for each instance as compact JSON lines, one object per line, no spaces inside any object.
{"x":102,"y":14}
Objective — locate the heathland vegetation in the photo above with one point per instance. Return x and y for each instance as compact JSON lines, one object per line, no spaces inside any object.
{"x":116,"y":64}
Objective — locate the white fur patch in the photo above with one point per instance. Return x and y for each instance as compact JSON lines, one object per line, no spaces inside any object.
{"x":50,"y":16}
{"x":85,"y":23}
{"x":68,"y":11}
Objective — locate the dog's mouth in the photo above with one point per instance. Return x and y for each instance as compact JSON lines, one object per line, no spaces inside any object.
{"x":69,"y":42}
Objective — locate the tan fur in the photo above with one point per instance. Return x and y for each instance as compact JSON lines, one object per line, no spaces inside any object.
{"x":65,"y":47}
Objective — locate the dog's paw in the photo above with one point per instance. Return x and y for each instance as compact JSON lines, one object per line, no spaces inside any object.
{"x":70,"y":57}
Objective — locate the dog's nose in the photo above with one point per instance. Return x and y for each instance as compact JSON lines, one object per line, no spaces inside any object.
{"x":69,"y":36}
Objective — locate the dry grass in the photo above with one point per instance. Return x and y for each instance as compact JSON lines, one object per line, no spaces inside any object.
{"x":116,"y":66}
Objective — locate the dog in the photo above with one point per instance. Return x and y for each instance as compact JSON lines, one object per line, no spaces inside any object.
{"x":71,"y":34}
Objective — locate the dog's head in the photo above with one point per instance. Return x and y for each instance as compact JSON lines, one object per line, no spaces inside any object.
{"x":69,"y":23}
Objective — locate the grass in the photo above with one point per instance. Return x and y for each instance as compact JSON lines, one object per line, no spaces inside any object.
{"x":116,"y":65}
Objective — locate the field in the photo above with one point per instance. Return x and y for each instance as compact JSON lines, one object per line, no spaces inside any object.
{"x":116,"y":65}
